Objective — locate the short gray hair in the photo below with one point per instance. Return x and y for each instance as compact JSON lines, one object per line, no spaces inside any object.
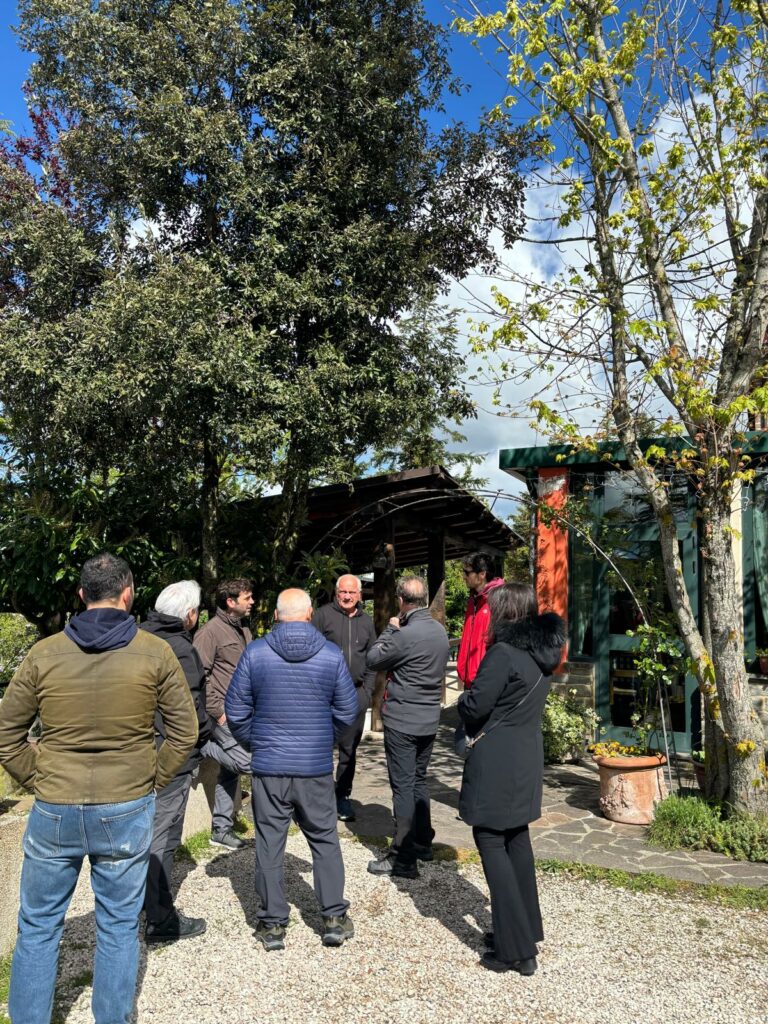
{"x":178,"y":599}
{"x":413,"y":590}
{"x":293,"y":604}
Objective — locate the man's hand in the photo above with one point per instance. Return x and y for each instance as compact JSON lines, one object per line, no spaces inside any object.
{"x":222,"y":720}
{"x":394,"y":622}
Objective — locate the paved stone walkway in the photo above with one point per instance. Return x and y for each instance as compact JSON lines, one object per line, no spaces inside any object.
{"x":571,"y":827}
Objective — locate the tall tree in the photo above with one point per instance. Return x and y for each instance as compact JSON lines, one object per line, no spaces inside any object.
{"x":247,"y":195}
{"x":656,"y":117}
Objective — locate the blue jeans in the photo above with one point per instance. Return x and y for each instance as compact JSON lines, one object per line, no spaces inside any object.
{"x":116,"y":838}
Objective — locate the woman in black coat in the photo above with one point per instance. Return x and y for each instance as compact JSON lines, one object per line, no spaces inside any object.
{"x":501,"y":788}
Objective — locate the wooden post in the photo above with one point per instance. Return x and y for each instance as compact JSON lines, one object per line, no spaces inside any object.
{"x":436,"y":581}
{"x":384,"y":607}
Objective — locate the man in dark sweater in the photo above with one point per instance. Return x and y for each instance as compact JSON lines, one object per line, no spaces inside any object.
{"x":345,"y":624}
{"x":414,"y":650}
{"x":173,"y":620}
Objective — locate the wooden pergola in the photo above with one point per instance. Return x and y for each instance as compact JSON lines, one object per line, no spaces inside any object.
{"x":391,"y":522}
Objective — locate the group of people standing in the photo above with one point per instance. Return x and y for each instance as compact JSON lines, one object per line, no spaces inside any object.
{"x":129,"y":711}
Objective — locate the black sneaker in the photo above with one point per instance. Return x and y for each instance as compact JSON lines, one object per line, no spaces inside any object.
{"x":271,"y":936}
{"x":176,"y":926}
{"x":227,"y":840}
{"x":388,"y":865}
{"x":344,"y":809}
{"x":336,"y":930}
{"x":524,"y":967}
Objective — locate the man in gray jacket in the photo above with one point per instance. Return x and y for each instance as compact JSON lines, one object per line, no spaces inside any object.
{"x":414,"y":650}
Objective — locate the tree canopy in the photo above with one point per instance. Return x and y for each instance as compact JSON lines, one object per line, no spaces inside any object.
{"x":208,"y":240}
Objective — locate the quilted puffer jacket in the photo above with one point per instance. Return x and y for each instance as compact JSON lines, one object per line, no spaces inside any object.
{"x":289,"y":690}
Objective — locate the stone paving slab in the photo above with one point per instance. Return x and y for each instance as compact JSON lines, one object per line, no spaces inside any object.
{"x":571,"y":827}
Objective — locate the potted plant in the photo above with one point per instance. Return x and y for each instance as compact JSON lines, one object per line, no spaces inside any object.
{"x":631,"y":774}
{"x":631,"y":781}
{"x":699,"y":767}
{"x":761,"y":654}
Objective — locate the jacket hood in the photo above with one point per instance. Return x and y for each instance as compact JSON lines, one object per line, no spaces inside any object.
{"x":491,"y":585}
{"x":101,"y":629}
{"x":165,"y":625}
{"x":542,"y":636}
{"x":295,"y":641}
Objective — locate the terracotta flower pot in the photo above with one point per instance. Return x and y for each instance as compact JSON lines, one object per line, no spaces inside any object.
{"x":700,"y":771}
{"x":630,"y":787}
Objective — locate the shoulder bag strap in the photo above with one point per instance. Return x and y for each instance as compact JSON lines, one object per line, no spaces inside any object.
{"x":476,"y":739}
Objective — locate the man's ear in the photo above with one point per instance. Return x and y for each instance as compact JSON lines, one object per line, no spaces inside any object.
{"x":274,"y":615}
{"x":81,"y":595}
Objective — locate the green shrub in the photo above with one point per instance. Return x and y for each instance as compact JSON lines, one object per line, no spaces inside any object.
{"x":692,"y":822}
{"x":566,"y":725}
{"x":16,"y":637}
{"x":684,"y":821}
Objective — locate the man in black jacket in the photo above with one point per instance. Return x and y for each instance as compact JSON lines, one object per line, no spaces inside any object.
{"x":345,"y":624}
{"x":174,"y":618}
{"x":414,"y":648}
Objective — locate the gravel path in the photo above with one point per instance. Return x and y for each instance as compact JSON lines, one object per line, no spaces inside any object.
{"x":610,"y":955}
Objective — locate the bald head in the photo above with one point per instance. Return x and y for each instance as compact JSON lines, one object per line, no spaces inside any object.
{"x":293,"y":605}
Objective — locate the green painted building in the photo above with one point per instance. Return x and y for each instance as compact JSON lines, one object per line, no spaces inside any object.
{"x":606,"y":504}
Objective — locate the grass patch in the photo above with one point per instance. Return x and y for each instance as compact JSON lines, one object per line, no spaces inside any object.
{"x":737,"y":897}
{"x":195,"y":848}
{"x":5,"y":984}
{"x":243,"y":827}
{"x":694,"y":823}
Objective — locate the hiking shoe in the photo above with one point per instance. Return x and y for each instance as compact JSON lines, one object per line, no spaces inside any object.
{"x":271,"y":936}
{"x":227,"y":840}
{"x":336,"y":930}
{"x":388,"y":865}
{"x":344,"y":809}
{"x":176,"y":926}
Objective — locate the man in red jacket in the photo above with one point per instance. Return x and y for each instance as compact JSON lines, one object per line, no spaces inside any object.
{"x":477,"y":569}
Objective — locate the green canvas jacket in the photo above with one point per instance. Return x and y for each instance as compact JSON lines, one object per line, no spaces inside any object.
{"x":97,"y":711}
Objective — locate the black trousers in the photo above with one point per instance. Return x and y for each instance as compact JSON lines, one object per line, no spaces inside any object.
{"x":348,"y":741}
{"x":170,"y":805}
{"x":509,"y":870}
{"x":407,"y":762}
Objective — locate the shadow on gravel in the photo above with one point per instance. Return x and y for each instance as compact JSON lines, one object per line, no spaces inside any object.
{"x":444,"y":894}
{"x":239,"y":868}
{"x":78,"y":945}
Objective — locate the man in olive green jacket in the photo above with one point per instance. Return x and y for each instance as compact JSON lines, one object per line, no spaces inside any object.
{"x":96,"y":688}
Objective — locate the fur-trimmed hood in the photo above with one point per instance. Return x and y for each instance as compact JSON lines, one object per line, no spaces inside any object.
{"x":542,"y":636}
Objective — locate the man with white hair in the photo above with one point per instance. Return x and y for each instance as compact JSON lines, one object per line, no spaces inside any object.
{"x":290,"y":690}
{"x":344,"y":622}
{"x":173,"y":620}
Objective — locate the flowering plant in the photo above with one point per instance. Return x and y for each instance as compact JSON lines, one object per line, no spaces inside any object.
{"x":612,"y":748}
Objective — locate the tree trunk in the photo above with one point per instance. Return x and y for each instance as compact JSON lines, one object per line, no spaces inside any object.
{"x":209,"y":503}
{"x":735,"y":730}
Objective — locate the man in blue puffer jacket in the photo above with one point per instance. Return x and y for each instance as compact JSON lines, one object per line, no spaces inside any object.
{"x":289,"y":691}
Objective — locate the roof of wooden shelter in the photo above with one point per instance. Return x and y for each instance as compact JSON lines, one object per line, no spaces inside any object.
{"x":404,"y":509}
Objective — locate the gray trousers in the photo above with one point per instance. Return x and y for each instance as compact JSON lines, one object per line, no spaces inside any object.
{"x":170,"y":804}
{"x":276,"y":798}
{"x":234,"y":761}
